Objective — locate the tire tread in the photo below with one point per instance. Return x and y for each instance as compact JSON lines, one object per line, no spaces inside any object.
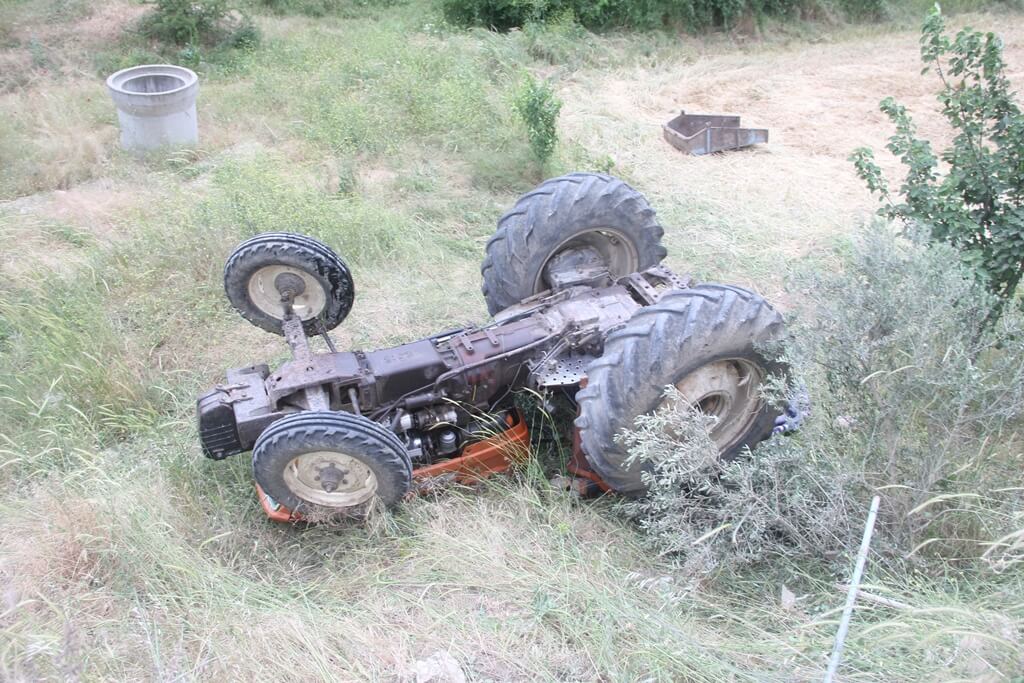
{"x":537,"y":223}
{"x":684,"y":327}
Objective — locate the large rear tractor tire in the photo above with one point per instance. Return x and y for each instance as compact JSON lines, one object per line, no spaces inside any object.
{"x":580,"y":211}
{"x":706,"y":341}
{"x":331,"y":463}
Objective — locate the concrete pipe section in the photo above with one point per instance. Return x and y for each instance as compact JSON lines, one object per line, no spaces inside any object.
{"x":156,"y":105}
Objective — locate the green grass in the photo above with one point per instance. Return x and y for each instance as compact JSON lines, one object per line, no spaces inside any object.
{"x":125,"y":555}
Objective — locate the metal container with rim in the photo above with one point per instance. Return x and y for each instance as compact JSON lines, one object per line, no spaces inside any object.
{"x":701,"y":134}
{"x":156,"y":105}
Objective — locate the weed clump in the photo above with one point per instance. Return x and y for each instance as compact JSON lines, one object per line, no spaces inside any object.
{"x":538,"y":108}
{"x":193,"y":23}
{"x":743,"y":512}
{"x":915,"y":397}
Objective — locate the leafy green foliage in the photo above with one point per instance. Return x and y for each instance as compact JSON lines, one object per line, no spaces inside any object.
{"x":182,"y":22}
{"x":538,"y":107}
{"x":864,"y":9}
{"x":707,"y":513}
{"x":914,"y":397}
{"x":244,"y":36}
{"x":977,"y":205}
{"x":559,"y":40}
{"x":324,"y":8}
{"x":199,"y":22}
{"x":643,"y":14}
{"x":738,"y":513}
{"x":309,"y":8}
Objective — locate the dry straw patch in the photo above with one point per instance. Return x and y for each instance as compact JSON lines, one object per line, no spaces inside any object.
{"x":56,"y":230}
{"x":58,"y":38}
{"x":54,"y":136}
{"x":790,"y":197}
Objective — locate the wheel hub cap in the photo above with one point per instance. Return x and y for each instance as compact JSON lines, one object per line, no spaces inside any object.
{"x":729,"y":391}
{"x":331,"y":479}
{"x":264,"y":293}
{"x":612,"y":248}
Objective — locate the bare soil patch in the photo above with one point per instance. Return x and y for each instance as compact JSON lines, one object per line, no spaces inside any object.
{"x":796,"y":193}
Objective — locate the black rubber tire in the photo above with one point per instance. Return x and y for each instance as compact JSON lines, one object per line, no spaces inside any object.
{"x":659,"y":346}
{"x":297,"y":251}
{"x":558,"y":209}
{"x":371,"y":443}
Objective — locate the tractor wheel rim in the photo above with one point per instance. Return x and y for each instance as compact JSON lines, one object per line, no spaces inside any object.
{"x":330,"y":479}
{"x":264,"y":295}
{"x":618,"y":252}
{"x":729,"y":391}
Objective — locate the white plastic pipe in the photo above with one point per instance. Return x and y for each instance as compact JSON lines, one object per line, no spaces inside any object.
{"x":851,"y":594}
{"x":156,"y":105}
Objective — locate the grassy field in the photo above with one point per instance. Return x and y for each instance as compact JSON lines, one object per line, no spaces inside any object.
{"x":125,"y":555}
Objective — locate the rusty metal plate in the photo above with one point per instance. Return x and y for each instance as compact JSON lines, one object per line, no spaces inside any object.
{"x":564,"y":371}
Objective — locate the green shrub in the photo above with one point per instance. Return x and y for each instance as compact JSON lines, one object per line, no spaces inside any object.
{"x":244,"y":36}
{"x":740,"y":513}
{"x":864,"y":9}
{"x":914,"y":397}
{"x":560,"y":40}
{"x":495,"y":14}
{"x":309,"y":8}
{"x":199,"y":22}
{"x":538,"y":107}
{"x":977,"y":206}
{"x":183,"y":22}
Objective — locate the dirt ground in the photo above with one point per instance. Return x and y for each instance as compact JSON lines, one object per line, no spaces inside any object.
{"x":819,"y":102}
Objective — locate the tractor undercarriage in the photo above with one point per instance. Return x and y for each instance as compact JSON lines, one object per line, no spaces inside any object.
{"x":581,"y":304}
{"x":438,"y":393}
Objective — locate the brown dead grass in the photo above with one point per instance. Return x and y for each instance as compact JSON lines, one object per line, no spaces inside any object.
{"x":34,"y":250}
{"x":54,"y":136}
{"x":96,"y":206}
{"x":47,"y":42}
{"x":54,"y":229}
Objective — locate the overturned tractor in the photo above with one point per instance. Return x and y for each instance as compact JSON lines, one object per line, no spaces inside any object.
{"x":580,"y":302}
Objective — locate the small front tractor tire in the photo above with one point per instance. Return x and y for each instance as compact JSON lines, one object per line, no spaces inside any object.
{"x":705,"y":340}
{"x":255,"y":267}
{"x":579,"y":210}
{"x":330,"y":462}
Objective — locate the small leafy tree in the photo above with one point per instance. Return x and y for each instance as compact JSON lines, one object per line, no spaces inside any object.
{"x":977,"y":204}
{"x":538,"y":107}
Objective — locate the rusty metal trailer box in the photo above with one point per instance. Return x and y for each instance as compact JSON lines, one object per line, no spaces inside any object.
{"x":700,"y":134}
